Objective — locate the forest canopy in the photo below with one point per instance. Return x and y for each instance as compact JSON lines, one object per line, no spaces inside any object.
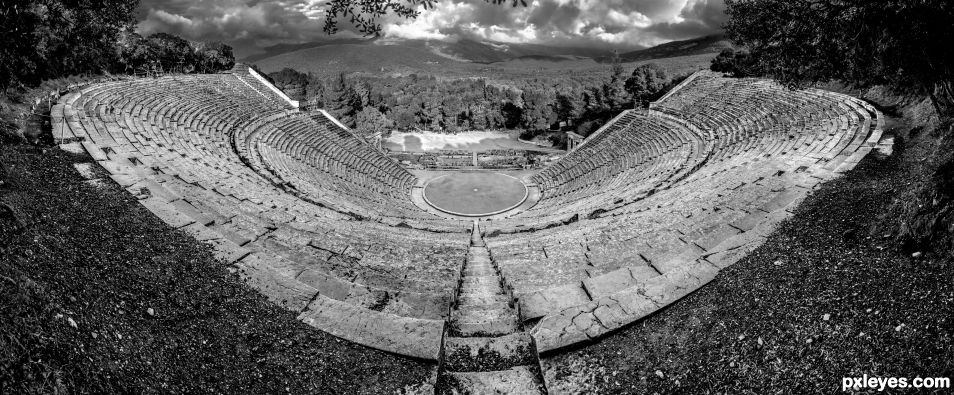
{"x":423,"y":102}
{"x":45,"y":39}
{"x":901,"y":43}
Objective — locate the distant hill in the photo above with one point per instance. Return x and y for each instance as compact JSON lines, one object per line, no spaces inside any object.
{"x":460,"y":58}
{"x":375,"y":57}
{"x":491,"y":52}
{"x":696,"y":46}
{"x":398,"y":55}
{"x":279,"y":49}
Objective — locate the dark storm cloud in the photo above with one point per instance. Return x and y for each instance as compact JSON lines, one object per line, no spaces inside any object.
{"x":698,"y":19}
{"x":249,"y":25}
{"x":245,"y":25}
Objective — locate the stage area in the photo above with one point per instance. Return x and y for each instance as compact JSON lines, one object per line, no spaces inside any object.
{"x":475,"y":193}
{"x":473,"y":141}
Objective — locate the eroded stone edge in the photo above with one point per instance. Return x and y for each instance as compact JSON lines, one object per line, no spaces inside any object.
{"x":603,"y":315}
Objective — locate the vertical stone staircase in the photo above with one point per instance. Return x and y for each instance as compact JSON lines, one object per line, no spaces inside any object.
{"x":484,"y":351}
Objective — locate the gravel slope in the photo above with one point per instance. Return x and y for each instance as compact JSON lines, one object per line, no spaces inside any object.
{"x":98,"y":295}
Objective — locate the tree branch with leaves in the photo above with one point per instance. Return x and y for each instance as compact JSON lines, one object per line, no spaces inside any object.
{"x":366,"y":15}
{"x":901,"y":43}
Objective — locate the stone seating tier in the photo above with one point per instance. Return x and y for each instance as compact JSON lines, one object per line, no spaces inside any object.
{"x":644,"y":211}
{"x":763,"y":148}
{"x":170,"y":142}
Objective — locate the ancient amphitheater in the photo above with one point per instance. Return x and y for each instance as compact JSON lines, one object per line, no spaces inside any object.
{"x":645,"y":211}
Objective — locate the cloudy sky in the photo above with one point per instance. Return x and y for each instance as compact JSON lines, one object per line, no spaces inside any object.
{"x":251,"y":25}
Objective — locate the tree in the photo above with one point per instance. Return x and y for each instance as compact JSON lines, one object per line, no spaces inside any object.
{"x":594,"y":105}
{"x":537,"y":110}
{"x":50,"y":38}
{"x":315,"y":92}
{"x":646,"y":82}
{"x":172,"y":52}
{"x":134,"y":52}
{"x":213,"y":56}
{"x":567,"y":106}
{"x":431,"y":115}
{"x":292,"y":82}
{"x":452,"y":107}
{"x":404,"y":119}
{"x":343,"y":102}
{"x":737,"y":63}
{"x":902,"y":43}
{"x":370,"y":121}
{"x":614,"y":91}
{"x":478,"y":117}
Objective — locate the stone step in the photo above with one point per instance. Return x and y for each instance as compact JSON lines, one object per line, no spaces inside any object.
{"x":520,"y":380}
{"x":480,"y":307}
{"x":483,"y":354}
{"x":469,"y":316}
{"x":481,"y":281}
{"x":483,"y":328}
{"x":479,"y":271}
{"x":483,"y":292}
{"x":475,"y":258}
{"x":483,"y":300}
{"x":476,"y":264}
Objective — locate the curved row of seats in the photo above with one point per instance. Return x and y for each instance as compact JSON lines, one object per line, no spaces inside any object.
{"x":636,"y":152}
{"x":645,"y":210}
{"x":340,"y":169}
{"x":195,"y":150}
{"x":759,"y":149}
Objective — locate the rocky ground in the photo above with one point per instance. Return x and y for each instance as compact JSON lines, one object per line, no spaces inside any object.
{"x":823,"y":298}
{"x":98,"y":295}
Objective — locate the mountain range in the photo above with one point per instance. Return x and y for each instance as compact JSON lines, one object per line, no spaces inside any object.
{"x":464,"y":56}
{"x":697,"y":46}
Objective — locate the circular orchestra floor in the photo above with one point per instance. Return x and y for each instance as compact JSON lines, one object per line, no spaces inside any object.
{"x":476,"y":193}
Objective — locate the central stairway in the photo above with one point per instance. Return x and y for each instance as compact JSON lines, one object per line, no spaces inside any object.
{"x":484,"y":350}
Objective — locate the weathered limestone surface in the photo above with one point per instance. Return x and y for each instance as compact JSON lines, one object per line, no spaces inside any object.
{"x":588,"y":321}
{"x":617,"y":280}
{"x":402,"y":335}
{"x":258,"y":272}
{"x":538,"y":304}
